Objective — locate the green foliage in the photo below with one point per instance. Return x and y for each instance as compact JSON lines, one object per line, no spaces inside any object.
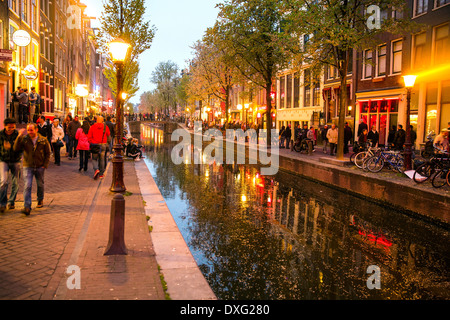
{"x":124,"y":19}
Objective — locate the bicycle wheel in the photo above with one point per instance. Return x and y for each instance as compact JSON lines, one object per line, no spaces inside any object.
{"x":448,"y":178}
{"x":400,"y":165}
{"x":374,"y":164}
{"x":359,"y":159}
{"x":440,"y":178}
{"x":423,"y":172}
{"x":352,"y":157}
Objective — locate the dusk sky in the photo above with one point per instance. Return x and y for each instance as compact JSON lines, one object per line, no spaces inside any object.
{"x":179,"y":24}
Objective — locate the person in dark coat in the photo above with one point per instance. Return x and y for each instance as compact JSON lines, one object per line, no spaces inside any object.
{"x":288,"y":135}
{"x":399,"y":138}
{"x":373,"y":136}
{"x":391,"y":136}
{"x":362,"y":126}
{"x":348,"y":134}
{"x":281,"y":136}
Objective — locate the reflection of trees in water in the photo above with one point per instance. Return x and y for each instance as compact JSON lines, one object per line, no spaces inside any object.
{"x":307,"y":251}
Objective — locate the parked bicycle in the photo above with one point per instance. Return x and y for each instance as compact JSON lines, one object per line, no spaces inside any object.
{"x":438,"y":161}
{"x":360,"y":157}
{"x":392,"y":159}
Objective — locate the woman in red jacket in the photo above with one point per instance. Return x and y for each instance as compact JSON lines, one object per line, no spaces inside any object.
{"x":83,"y":144}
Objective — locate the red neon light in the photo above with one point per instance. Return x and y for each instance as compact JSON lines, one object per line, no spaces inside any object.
{"x":376,"y":239}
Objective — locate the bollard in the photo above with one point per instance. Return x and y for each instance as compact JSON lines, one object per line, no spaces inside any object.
{"x":116,"y":243}
{"x":310,"y":147}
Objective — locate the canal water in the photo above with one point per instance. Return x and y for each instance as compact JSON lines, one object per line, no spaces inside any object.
{"x":285,"y":237}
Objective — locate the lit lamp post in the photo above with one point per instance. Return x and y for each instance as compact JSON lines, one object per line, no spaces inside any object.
{"x":118,"y":50}
{"x":409,"y":84}
{"x":116,"y":242}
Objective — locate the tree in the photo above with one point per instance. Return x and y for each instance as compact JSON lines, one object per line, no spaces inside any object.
{"x":211,"y":69}
{"x":336,"y":27}
{"x":166,"y":78}
{"x":124,"y":19}
{"x":251,"y":29}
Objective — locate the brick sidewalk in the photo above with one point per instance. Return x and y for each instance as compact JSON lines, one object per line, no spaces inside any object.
{"x":72,"y":229}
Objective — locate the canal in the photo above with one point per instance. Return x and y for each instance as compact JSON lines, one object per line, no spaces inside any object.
{"x":285,"y":237}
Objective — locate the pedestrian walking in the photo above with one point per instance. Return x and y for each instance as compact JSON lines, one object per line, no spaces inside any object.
{"x":44,"y":128}
{"x":57,"y":140}
{"x":332,"y":136}
{"x":98,"y":138}
{"x":65,"y":124}
{"x":324,"y":132}
{"x":72,"y":129}
{"x":83,"y":145}
{"x":36,"y":157}
{"x":9,"y":164}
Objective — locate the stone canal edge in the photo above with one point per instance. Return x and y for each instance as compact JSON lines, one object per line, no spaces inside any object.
{"x":181,"y":273}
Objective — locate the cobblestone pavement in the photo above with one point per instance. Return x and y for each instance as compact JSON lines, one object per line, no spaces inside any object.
{"x":72,"y":228}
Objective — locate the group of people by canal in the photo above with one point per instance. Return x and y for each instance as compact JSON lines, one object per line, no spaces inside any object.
{"x":30,"y":150}
{"x":328,"y":134}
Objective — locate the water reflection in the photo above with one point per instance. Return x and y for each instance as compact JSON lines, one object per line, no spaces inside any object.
{"x":286,"y":237}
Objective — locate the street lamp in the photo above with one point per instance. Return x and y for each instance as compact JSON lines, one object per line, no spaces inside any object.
{"x":116,"y":244}
{"x":118,"y":50}
{"x":409,"y":84}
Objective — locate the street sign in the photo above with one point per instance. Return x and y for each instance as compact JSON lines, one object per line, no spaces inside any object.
{"x":6,"y":55}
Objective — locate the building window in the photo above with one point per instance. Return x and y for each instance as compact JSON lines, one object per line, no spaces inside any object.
{"x":316,"y":92}
{"x":282,"y":91}
{"x":420,"y":6}
{"x":289,"y":91}
{"x":396,"y":64}
{"x":441,"y":45}
{"x":444,"y":114}
{"x":296,"y":90}
{"x":307,"y":86}
{"x":440,"y":3}
{"x":381,"y":60}
{"x":25,"y":10}
{"x":34,"y":17}
{"x":419,"y":50}
{"x":367,"y":71}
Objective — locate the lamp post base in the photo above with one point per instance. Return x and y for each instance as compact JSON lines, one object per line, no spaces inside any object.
{"x":117,"y":184}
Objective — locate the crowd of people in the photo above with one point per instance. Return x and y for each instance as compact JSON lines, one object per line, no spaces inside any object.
{"x":30,"y":150}
{"x":25,"y":106}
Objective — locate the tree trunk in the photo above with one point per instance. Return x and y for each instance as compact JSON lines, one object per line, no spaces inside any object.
{"x":269,"y":113}
{"x":343,"y":64}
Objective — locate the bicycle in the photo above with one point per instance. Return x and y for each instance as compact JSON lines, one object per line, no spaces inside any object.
{"x":393,"y":159}
{"x":428,"y":169}
{"x":363,"y":155}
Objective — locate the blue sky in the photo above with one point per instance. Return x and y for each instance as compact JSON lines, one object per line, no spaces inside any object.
{"x":179,"y":24}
